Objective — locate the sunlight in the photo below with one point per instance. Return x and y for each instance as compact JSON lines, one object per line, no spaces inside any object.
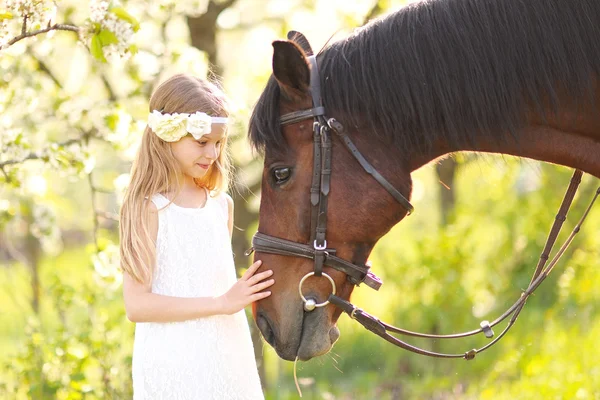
{"x":37,"y":185}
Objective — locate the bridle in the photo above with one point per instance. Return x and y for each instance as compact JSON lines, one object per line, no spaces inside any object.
{"x":318,"y":251}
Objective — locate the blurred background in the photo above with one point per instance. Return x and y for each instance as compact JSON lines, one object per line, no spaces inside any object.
{"x":73,"y":105}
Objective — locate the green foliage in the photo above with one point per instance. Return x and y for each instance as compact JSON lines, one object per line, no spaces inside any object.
{"x":96,"y":48}
{"x":84,"y":353}
{"x":125,"y":16}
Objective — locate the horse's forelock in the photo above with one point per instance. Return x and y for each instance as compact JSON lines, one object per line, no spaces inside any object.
{"x":264,"y":128}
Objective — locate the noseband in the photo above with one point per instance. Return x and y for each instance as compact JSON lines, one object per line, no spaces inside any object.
{"x":318,"y":250}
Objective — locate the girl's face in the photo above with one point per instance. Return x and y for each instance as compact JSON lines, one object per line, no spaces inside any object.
{"x":195,"y":157}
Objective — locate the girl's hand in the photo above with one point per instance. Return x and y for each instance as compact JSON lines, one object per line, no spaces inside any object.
{"x":247,"y":290}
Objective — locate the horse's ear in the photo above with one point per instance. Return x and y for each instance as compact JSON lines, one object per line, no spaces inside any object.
{"x":290,"y":68}
{"x":301,"y":41}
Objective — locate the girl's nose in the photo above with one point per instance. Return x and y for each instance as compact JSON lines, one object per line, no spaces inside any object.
{"x":213,"y":152}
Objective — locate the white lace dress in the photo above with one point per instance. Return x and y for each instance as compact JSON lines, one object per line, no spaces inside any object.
{"x":208,"y":358}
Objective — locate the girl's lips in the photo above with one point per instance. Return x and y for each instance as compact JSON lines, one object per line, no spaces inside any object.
{"x":204,"y":166}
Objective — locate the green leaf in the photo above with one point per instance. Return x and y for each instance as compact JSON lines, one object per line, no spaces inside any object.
{"x":62,"y":159}
{"x":121,"y":13}
{"x":111,"y":121}
{"x":78,"y":376}
{"x":107,"y":37}
{"x":96,"y":48}
{"x":6,"y":15}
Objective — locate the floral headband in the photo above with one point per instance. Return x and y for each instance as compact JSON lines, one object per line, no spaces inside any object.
{"x":172,"y":127}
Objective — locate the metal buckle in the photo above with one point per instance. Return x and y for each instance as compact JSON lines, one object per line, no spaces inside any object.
{"x":317,"y":247}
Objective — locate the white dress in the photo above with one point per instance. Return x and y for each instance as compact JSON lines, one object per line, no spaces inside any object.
{"x":208,"y":358}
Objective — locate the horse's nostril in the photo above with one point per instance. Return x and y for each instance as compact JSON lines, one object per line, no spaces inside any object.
{"x":265,"y":327}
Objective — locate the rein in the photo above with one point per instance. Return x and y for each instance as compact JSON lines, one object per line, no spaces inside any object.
{"x":381,"y":329}
{"x":359,"y":273}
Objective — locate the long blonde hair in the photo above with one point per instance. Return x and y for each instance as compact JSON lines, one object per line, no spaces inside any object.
{"x":155,"y":169}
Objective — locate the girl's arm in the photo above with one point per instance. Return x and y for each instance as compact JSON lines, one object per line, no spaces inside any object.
{"x":141,"y":305}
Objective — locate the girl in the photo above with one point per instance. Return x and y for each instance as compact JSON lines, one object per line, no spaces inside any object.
{"x":192,"y":339}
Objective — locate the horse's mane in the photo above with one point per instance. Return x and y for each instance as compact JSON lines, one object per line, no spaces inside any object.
{"x":463,"y":69}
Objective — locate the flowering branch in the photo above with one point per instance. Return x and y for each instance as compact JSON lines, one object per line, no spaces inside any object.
{"x":6,"y":176}
{"x":39,"y":155}
{"x":24,"y":34}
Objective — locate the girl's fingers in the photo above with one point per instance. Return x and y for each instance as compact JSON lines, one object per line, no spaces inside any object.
{"x":262,"y":285}
{"x":259,"y":277}
{"x":259,"y":296}
{"x":251,"y":270}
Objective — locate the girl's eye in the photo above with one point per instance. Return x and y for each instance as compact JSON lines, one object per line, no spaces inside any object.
{"x":281,"y":175}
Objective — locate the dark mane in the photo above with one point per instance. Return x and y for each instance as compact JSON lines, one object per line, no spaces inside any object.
{"x":464,"y":69}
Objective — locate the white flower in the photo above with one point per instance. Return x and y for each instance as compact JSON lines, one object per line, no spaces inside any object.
{"x":198,"y":124}
{"x":107,"y":271}
{"x":172,"y":127}
{"x":120,"y":184}
{"x":98,"y":10}
{"x":168,"y":127}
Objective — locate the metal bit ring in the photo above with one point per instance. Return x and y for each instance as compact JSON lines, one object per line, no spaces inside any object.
{"x":309,"y":303}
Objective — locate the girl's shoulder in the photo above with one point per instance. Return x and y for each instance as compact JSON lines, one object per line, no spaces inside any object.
{"x":159,"y":200}
{"x":225,"y":202}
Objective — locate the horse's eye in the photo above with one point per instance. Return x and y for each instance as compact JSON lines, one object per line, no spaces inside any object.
{"x":281,"y":175}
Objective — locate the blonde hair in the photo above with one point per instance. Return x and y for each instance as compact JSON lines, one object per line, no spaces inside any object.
{"x":155,"y":169}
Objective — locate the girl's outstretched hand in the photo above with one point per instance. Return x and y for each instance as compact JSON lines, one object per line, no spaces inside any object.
{"x":247,"y":290}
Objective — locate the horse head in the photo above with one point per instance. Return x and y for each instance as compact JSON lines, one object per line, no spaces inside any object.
{"x":310,"y":185}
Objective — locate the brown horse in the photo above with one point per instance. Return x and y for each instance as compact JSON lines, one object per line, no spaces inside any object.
{"x":501,"y":76}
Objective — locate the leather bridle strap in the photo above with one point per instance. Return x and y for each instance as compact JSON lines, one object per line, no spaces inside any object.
{"x":381,"y":329}
{"x":297,"y":116}
{"x":560,"y":218}
{"x":321,"y":172}
{"x":357,"y":274}
{"x":340,"y":131}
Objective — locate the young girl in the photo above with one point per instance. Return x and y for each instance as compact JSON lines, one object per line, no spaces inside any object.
{"x":192,"y":339}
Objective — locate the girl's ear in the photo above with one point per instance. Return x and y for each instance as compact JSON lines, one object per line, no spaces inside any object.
{"x":291,"y":69}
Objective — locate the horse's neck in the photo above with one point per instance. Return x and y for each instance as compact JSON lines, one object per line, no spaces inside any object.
{"x":577,"y":148}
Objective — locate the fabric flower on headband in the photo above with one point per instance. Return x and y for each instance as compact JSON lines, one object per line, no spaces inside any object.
{"x":172,"y":127}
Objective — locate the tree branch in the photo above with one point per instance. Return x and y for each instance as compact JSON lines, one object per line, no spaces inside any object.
{"x":37,"y":155}
{"x":55,"y":27}
{"x":6,"y":176}
{"x":111,"y":93}
{"x":44,"y":68}
{"x":225,"y":5}
{"x":24,"y":27}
